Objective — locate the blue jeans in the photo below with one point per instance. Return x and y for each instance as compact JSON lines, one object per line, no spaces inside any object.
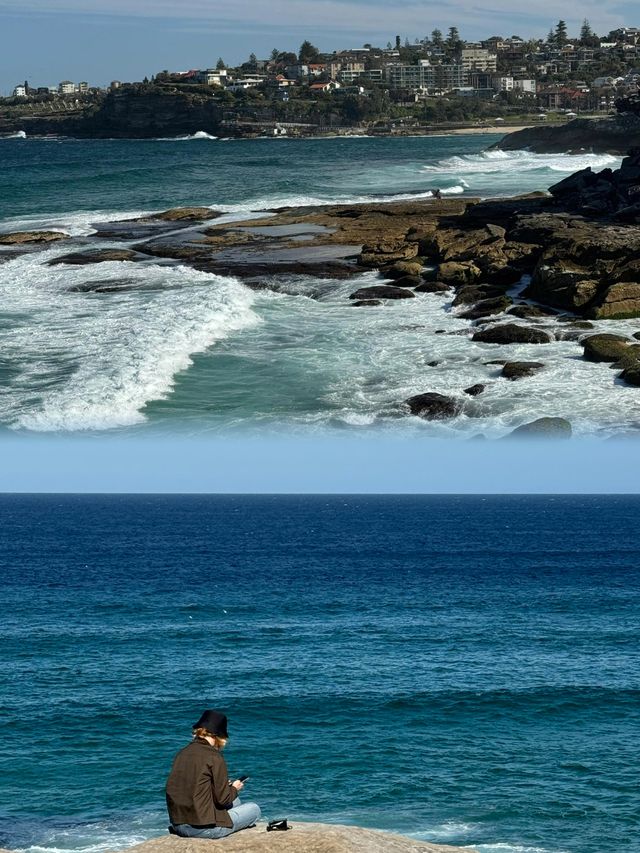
{"x":242,"y":815}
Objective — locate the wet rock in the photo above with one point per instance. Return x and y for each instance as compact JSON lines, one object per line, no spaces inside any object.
{"x":618,"y":302}
{"x":458,"y":274}
{"x":512,"y":333}
{"x":631,"y":375}
{"x":474,"y":390}
{"x":408,"y":281}
{"x":521,"y":369}
{"x":636,"y":335}
{"x":17,"y":238}
{"x":382,"y":291}
{"x":111,"y":285}
{"x":97,"y":256}
{"x":630,"y":358}
{"x":524,"y":312}
{"x":402,"y":269}
{"x":182,"y":214}
{"x":433,"y":407}
{"x":487,"y":308}
{"x":433,"y":363}
{"x":505,"y":275}
{"x":543,"y":428}
{"x":429,"y":274}
{"x":476,"y":292}
{"x":366,"y":303}
{"x":432,"y":287}
{"x":604,"y":347}
{"x":576,"y":324}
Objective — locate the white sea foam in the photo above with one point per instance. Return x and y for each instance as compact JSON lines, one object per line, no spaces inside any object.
{"x":504,"y":847}
{"x":92,"y":361}
{"x":19,"y":134}
{"x":77,"y":224}
{"x":200,"y":134}
{"x":488,"y":162}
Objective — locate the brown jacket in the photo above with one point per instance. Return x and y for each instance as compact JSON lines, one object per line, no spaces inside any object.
{"x":198,"y":789}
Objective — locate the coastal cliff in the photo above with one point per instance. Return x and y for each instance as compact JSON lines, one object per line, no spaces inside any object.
{"x":133,"y":114}
{"x":610,"y":135}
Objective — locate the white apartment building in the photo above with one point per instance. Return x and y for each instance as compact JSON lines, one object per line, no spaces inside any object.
{"x":527,"y":87}
{"x":66,"y":88}
{"x":20,"y":91}
{"x":478,"y":59}
{"x":213,"y":76}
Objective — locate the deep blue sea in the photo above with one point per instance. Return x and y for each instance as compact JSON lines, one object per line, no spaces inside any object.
{"x":181,"y":350}
{"x":461,"y":669}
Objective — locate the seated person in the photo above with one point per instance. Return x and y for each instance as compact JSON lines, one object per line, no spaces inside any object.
{"x":201,"y":801}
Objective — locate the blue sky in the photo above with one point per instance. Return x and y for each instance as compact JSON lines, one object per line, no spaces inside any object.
{"x":46,"y":41}
{"x":329,"y":465}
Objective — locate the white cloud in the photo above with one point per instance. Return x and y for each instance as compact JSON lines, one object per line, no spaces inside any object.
{"x":367,"y":19}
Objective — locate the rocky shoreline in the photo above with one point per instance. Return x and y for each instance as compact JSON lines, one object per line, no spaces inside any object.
{"x":521,"y":271}
{"x":609,"y":135}
{"x":302,"y":837}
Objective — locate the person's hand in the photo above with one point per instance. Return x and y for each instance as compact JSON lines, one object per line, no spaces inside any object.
{"x":238,"y":785}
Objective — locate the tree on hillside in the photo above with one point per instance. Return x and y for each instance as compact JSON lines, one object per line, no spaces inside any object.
{"x":453,"y":43}
{"x":275,"y":53}
{"x":560,"y":34}
{"x":551,"y":37}
{"x":308,"y":52}
{"x":398,"y":42}
{"x":436,"y":38}
{"x":587,"y":36}
{"x":220,"y":65}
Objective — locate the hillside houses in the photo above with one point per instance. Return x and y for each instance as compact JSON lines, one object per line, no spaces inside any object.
{"x":558,"y":72}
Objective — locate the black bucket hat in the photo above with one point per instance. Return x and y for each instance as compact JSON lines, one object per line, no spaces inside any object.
{"x":214,"y":722}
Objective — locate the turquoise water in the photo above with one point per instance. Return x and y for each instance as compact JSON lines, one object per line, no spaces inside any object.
{"x":462,"y":669}
{"x":188,"y":351}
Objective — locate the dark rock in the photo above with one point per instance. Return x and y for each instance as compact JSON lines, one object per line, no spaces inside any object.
{"x":430,"y":274}
{"x":505,"y":275}
{"x":500,"y":361}
{"x":97,"y":256}
{"x":604,"y":347}
{"x":408,"y":281}
{"x":631,"y":375}
{"x":17,"y":238}
{"x":433,"y":407}
{"x":432,"y":287}
{"x":433,"y":363}
{"x":111,"y":285}
{"x":487,"y":308}
{"x":576,"y":324}
{"x":382,"y":291}
{"x":366,"y":303}
{"x":524,"y":312}
{"x":543,"y":428}
{"x":474,"y":390}
{"x":636,"y":335}
{"x":511,"y":333}
{"x":476,"y":292}
{"x":520,"y":369}
{"x":608,"y":135}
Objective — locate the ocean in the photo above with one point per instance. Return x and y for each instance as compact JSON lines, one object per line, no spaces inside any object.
{"x":197,"y":353}
{"x":461,"y":669}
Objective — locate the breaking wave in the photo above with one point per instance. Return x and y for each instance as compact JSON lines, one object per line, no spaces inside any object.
{"x":83,"y":359}
{"x":519,"y":161}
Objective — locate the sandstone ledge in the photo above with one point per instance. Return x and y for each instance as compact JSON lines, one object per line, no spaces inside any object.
{"x":301,"y":838}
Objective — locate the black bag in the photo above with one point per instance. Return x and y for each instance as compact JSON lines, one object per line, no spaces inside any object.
{"x":278,"y":825}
